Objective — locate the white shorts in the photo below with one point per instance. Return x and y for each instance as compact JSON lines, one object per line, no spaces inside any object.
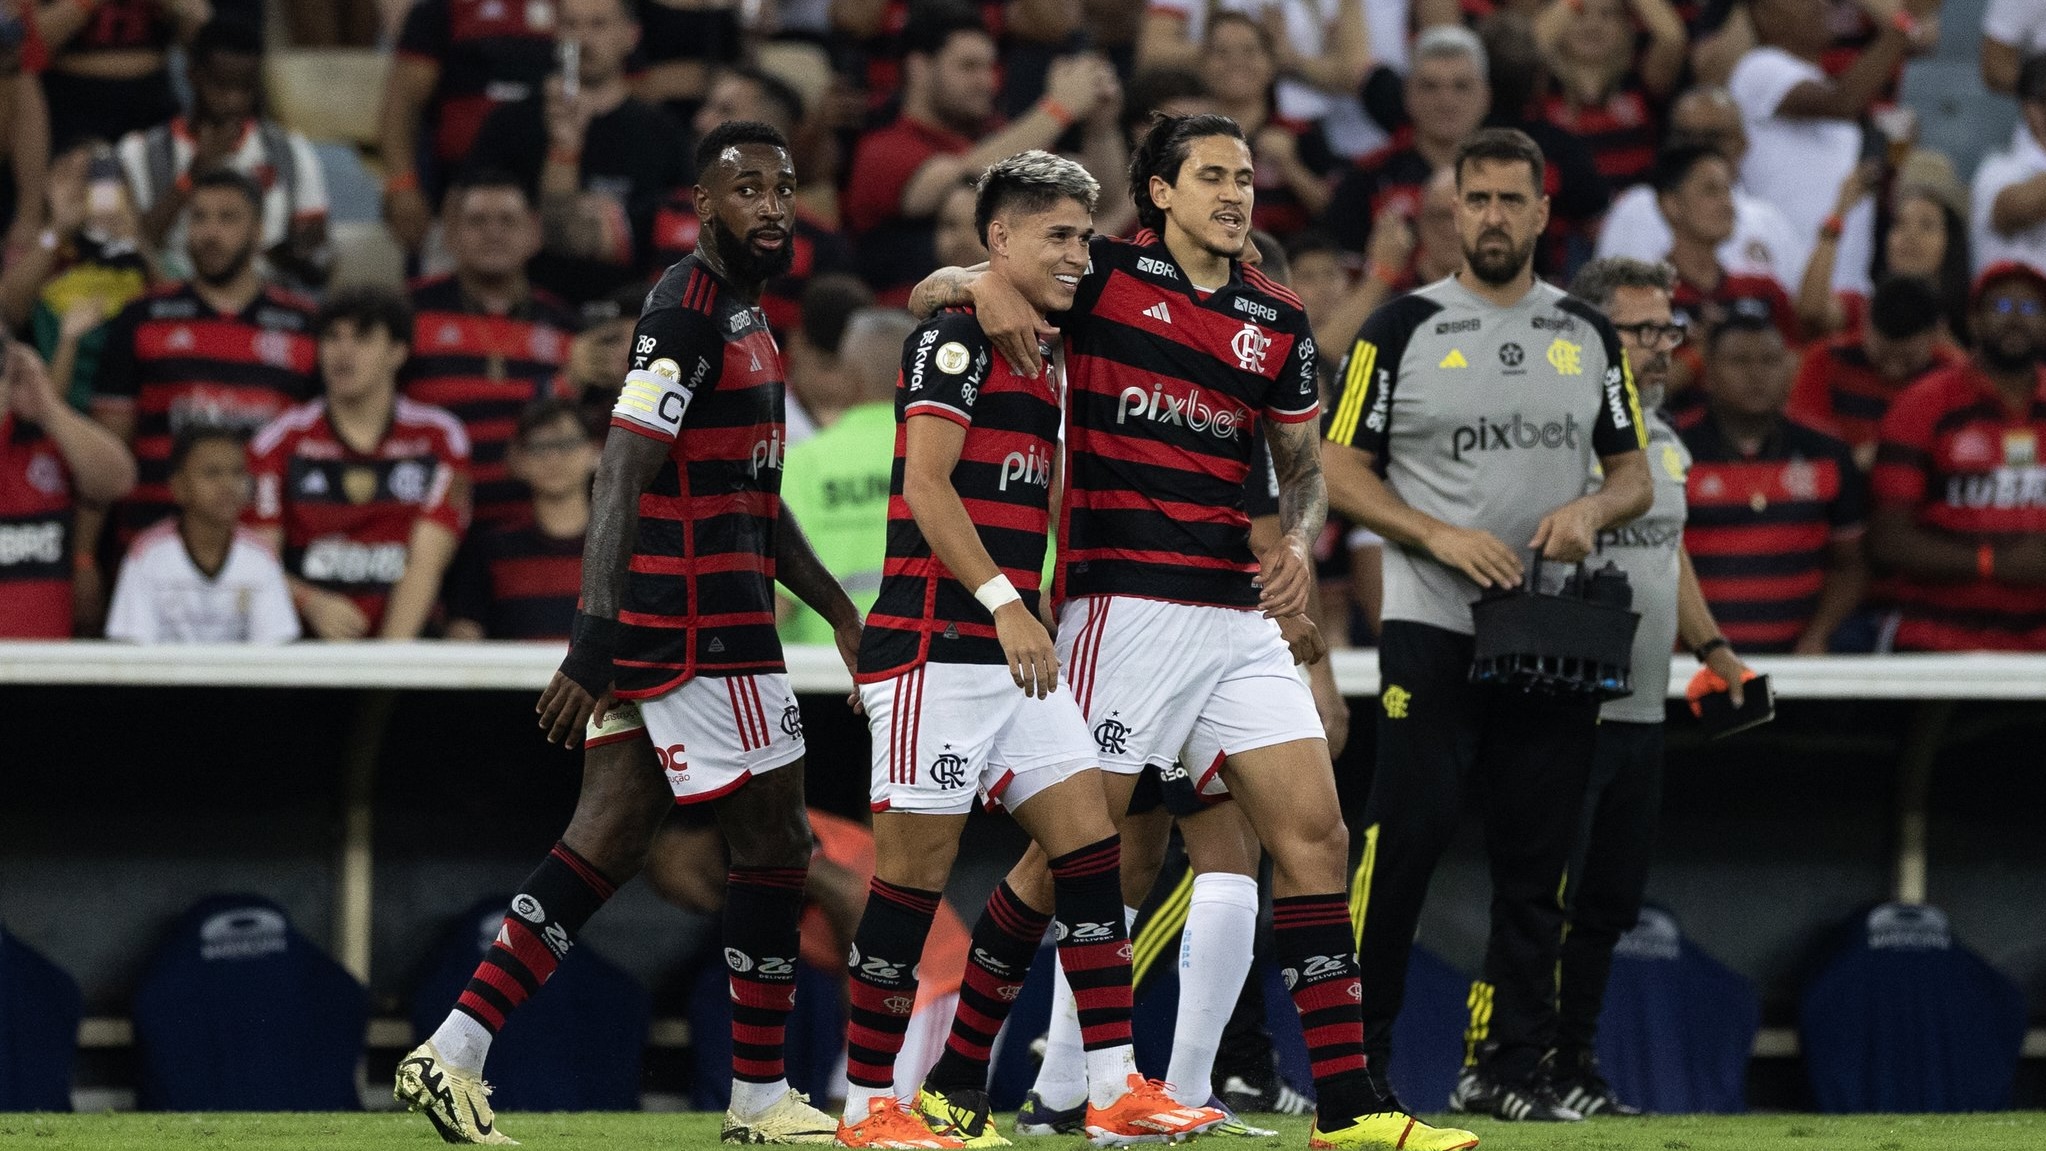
{"x":712,"y":733}
{"x":944,"y":732}
{"x":1150,"y":674}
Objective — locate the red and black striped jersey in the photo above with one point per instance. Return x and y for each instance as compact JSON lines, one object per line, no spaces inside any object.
{"x":489,"y":52}
{"x":1760,"y":526}
{"x":706,"y":379}
{"x":346,"y":515}
{"x":1962,"y":461}
{"x":1166,"y":388}
{"x":924,"y":614}
{"x":35,"y":534}
{"x":1623,"y":130}
{"x":182,"y":364}
{"x":1396,"y":175}
{"x":518,"y":582}
{"x":1838,"y":388}
{"x":486,"y":369}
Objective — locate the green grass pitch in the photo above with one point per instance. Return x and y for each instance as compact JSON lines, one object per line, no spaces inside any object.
{"x":631,"y":1132}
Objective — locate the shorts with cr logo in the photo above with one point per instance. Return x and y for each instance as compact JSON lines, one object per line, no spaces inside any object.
{"x":1160,"y":681}
{"x":944,"y":732}
{"x":712,"y":733}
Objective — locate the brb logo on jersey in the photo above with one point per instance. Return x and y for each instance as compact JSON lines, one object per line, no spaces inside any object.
{"x":1029,"y":467}
{"x":1191,"y":410}
{"x":1250,"y":346}
{"x":1516,"y":433}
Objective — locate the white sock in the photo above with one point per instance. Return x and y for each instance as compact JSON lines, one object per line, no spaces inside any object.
{"x":1062,"y":1081}
{"x":856,"y":1097}
{"x":1108,"y":1073}
{"x":749,"y":1099}
{"x":1214,"y":956}
{"x":462,"y":1042}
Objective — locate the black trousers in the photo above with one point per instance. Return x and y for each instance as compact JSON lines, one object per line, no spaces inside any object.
{"x":1609,"y":874}
{"x":1529,"y":758}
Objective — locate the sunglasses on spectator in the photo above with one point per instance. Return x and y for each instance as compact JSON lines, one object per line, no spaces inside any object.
{"x":1650,"y":334}
{"x":2004,"y":305}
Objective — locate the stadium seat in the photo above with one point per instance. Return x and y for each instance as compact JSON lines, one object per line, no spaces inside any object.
{"x":814,"y":1041}
{"x":239,"y":1012}
{"x":39,"y":1012}
{"x":327,"y":93}
{"x":1902,"y":1018}
{"x":1678,"y":1025}
{"x":576,"y":1046}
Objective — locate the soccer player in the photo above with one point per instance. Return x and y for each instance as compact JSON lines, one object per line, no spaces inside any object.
{"x":1609,"y":871}
{"x":1470,"y":413}
{"x":1178,"y":355}
{"x":686,"y":536}
{"x":949,"y":643}
{"x":363,"y":492}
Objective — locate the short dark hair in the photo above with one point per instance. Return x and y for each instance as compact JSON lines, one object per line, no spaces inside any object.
{"x":1904,"y":306}
{"x":1746,"y":314}
{"x":1598,"y":280}
{"x":225,"y":35}
{"x":2031,"y":85}
{"x":1674,"y":163}
{"x":1163,"y":152}
{"x":191,"y":436}
{"x":778,"y":91}
{"x":732,"y":134}
{"x":1032,"y":181}
{"x":624,"y":303}
{"x":828,"y":301}
{"x":233,"y":181}
{"x":1153,"y":88}
{"x":367,"y":306}
{"x":543,"y":412}
{"x":929,"y":32}
{"x":1501,"y":146}
{"x":486,"y":179}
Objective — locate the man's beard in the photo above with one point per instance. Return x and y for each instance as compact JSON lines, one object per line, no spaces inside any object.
{"x":1497,"y":270}
{"x":745,"y":265}
{"x":2002,"y":359}
{"x":235,"y":266}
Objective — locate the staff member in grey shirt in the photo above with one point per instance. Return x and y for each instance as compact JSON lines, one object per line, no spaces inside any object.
{"x":1609,"y":873}
{"x":1470,"y":412}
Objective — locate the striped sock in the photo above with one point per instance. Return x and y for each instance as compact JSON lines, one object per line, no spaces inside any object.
{"x":1005,"y":940}
{"x":1094,"y":951}
{"x":882,"y":967}
{"x":550,"y":908}
{"x":762,"y":908}
{"x":1311,"y":938}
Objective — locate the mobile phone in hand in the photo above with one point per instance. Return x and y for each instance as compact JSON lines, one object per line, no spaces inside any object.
{"x":1719,"y":717}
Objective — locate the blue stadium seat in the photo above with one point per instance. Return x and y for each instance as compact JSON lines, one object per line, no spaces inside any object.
{"x":1427,"y":1038}
{"x":238,"y":1012}
{"x":815,"y":1038}
{"x":39,"y":1012}
{"x":1678,"y":1025}
{"x":575,"y":1046}
{"x":1904,"y":1018}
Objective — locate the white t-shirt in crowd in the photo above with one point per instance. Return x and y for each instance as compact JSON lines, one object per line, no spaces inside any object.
{"x":1797,"y":164}
{"x":2023,"y":160}
{"x":2018,"y":23}
{"x":1350,"y":132}
{"x":163,"y":597}
{"x":1763,"y":242}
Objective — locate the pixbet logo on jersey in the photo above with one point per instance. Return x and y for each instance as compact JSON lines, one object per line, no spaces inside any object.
{"x":1030,"y":466}
{"x":767,"y":454}
{"x":1497,"y":435}
{"x":1192,"y":410}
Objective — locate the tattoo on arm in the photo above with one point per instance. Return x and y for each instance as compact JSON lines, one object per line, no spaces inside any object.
{"x":1303,"y":495}
{"x":944,"y":288}
{"x":798,"y":569}
{"x":630,"y":463}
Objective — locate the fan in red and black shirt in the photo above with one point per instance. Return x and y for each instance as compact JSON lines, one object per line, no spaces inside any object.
{"x":221,"y":350}
{"x":486,"y":345}
{"x":1960,"y":485}
{"x":364,"y":493}
{"x":1778,"y":509}
{"x":1605,"y":92}
{"x":1847,"y":382}
{"x":49,"y":456}
{"x":520,"y":580}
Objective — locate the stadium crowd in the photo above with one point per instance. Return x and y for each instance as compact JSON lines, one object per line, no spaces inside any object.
{"x":1855,"y":374}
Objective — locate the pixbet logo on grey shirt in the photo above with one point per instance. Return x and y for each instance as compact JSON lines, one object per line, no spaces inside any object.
{"x":1482,"y":417}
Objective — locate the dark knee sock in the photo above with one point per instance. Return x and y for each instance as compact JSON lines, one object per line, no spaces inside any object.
{"x":1004,"y":942}
{"x":1094,"y":942}
{"x":550,"y":908}
{"x":885,"y":952}
{"x":763,"y":906}
{"x":1312,"y":941}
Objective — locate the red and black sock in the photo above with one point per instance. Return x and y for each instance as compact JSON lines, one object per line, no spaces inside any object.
{"x":763,"y":906}
{"x":1094,"y":941}
{"x":551,"y":906}
{"x":1005,"y":940}
{"x":885,"y":952}
{"x":1318,"y":956}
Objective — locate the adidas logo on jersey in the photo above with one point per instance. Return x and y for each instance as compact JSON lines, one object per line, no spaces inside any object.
{"x":1159,"y":312}
{"x":1454,"y":359}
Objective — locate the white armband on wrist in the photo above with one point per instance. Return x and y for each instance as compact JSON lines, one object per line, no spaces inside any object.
{"x":996,"y":593}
